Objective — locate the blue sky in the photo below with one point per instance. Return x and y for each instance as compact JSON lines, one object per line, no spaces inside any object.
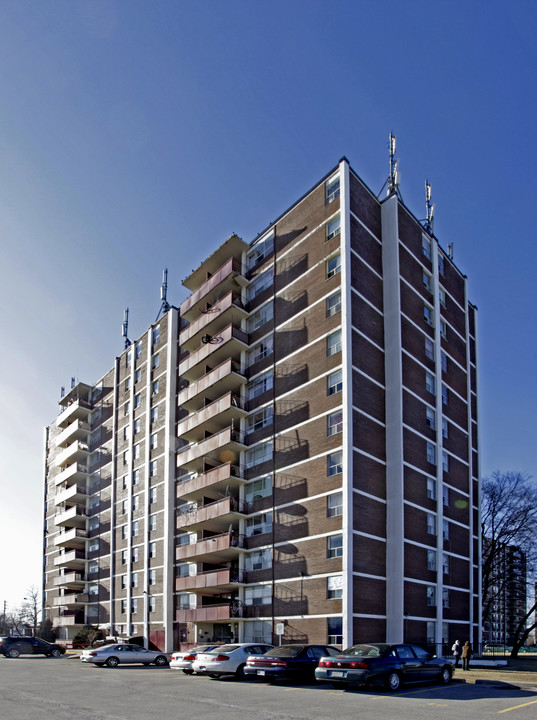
{"x":136,"y":136}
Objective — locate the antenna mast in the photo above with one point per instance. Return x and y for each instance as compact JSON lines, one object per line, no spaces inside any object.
{"x":429,"y":220}
{"x":165,"y":305}
{"x":394,"y":178}
{"x":125,"y":327}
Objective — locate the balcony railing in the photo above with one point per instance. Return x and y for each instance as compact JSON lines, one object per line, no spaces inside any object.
{"x":227,"y":278}
{"x":204,"y":614}
{"x":72,"y":579}
{"x":71,"y":599}
{"x":77,"y":409}
{"x":229,"y":342}
{"x":218,"y":580}
{"x":71,"y":538}
{"x":78,"y":428}
{"x":226,"y":409}
{"x":227,"y":475}
{"x":228,"y":376}
{"x":74,"y":517}
{"x":223,"y":546}
{"x":228,"y":438}
{"x":73,"y":558}
{"x":213,"y":320}
{"x":72,"y":474}
{"x":213,"y":514}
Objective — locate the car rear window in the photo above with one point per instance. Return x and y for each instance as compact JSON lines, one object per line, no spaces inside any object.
{"x":225,"y":649}
{"x":365,"y":650}
{"x":286,"y":651}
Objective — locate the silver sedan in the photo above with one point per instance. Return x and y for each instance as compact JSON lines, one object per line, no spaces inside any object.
{"x":123,"y":654}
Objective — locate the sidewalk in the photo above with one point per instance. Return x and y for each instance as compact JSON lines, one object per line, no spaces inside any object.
{"x":518,"y":673}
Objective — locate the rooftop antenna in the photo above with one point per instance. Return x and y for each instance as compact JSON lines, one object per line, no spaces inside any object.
{"x":394,"y":177}
{"x":125,"y":327}
{"x":165,"y":305}
{"x":62,"y":391}
{"x":450,"y":251}
{"x":429,"y":220}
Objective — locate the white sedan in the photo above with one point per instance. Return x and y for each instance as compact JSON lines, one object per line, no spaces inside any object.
{"x":123,"y":654}
{"x":183,"y":660}
{"x":227,"y":659}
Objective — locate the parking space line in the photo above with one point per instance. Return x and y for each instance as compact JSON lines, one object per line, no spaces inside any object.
{"x":410,"y":692}
{"x":516,"y":707}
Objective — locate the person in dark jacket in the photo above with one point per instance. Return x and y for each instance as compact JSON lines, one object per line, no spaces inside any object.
{"x":466,"y":655}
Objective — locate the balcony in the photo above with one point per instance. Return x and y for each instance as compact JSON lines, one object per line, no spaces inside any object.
{"x":77,"y":430}
{"x":211,"y":613}
{"x":192,"y":487}
{"x":214,"y":350}
{"x":73,"y":474}
{"x":228,"y":309}
{"x":71,"y":600}
{"x":225,"y":444}
{"x":219,"y":548}
{"x":74,"y":559}
{"x":227,"y":410}
{"x":215,"y":581}
{"x":67,"y":620}
{"x":75,"y":517}
{"x":74,"y":538}
{"x":214,"y":516}
{"x":76,"y":452}
{"x":76,"y":494}
{"x":77,"y":410}
{"x":226,"y":377}
{"x":234,"y":246}
{"x":227,"y":278}
{"x":72,"y":580}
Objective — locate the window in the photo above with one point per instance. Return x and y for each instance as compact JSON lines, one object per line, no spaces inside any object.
{"x":445,"y":563}
{"x":136,"y":452}
{"x":260,"y":250}
{"x":431,"y":560}
{"x":445,"y":530}
{"x":428,"y":315}
{"x":260,"y":385}
{"x":431,"y":488}
{"x":152,"y":549}
{"x":332,"y":189}
{"x":153,"y":441}
{"x":431,"y":629}
{"x":429,"y":348}
{"x":153,"y":468}
{"x":154,"y":414}
{"x":93,"y":545}
{"x":335,"y":423}
{"x":127,"y":384}
{"x":152,"y":523}
{"x":260,"y":351}
{"x":126,"y":431}
{"x":152,"y":496}
{"x":258,"y":489}
{"x":134,"y":556}
{"x":430,"y":418}
{"x":335,"y":546}
{"x":430,"y":383}
{"x":431,"y":524}
{"x":93,"y":523}
{"x":259,"y":560}
{"x":441,"y":264}
{"x":93,"y":590}
{"x":431,"y":453}
{"x":136,"y":426}
{"x":259,"y":524}
{"x":334,"y":587}
{"x":260,"y":454}
{"x":134,"y":605}
{"x":135,"y":502}
{"x":445,"y":461}
{"x":93,"y":567}
{"x":261,"y":317}
{"x":333,"y":265}
{"x":152,"y":604}
{"x":335,"y":382}
{"x":138,"y":350}
{"x":152,"y":576}
{"x":135,"y":477}
{"x":261,"y":595}
{"x":124,"y":557}
{"x":134,"y":530}
{"x":445,"y":496}
{"x":426,"y":246}
{"x":333,"y":343}
{"x":156,"y":361}
{"x":431,"y":596}
{"x":443,"y":329}
{"x":134,"y":580}
{"x":335,"y":630}
{"x":154,"y":388}
{"x":445,"y":597}
{"x":123,"y":606}
{"x":334,"y":505}
{"x":137,"y":376}
{"x":427,"y":281}
{"x":335,"y":463}
{"x":155,"y":335}
{"x":442,"y":296}
{"x":137,"y":400}
{"x":443,"y":361}
{"x":259,"y":419}
{"x":259,"y":283}
{"x":445,"y":395}
{"x":128,"y":358}
{"x":333,"y":228}
{"x":127,"y":408}
{"x":123,"y":582}
{"x":333,"y":304}
{"x":186,"y":570}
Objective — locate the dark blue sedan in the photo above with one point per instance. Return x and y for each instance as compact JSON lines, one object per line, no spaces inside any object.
{"x":294,"y":662}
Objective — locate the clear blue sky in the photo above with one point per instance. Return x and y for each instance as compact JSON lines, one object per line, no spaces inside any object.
{"x":138,"y":135}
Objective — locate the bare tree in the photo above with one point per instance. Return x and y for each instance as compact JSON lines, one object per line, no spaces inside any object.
{"x":508,"y":521}
{"x":32,"y":607}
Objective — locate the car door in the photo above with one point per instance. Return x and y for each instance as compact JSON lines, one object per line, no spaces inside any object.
{"x":26,"y":646}
{"x":429,"y":665}
{"x":410,"y":665}
{"x":128,"y":654}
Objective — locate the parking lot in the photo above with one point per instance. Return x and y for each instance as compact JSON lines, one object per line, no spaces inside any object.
{"x":34,"y":687}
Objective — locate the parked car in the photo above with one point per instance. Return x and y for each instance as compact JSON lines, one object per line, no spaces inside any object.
{"x":296,"y":662}
{"x":228,"y":659}
{"x":496,"y":649}
{"x":123,"y":654}
{"x":391,"y":665}
{"x":14,"y":646}
{"x":183,"y":660}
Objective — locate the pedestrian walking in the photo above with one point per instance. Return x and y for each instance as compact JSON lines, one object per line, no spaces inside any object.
{"x":466,"y":655}
{"x":457,"y":651}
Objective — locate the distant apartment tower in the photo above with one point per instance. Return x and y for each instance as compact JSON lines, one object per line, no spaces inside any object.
{"x":505,"y":606}
{"x":303,"y":457}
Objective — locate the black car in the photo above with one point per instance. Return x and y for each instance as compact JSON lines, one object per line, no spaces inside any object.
{"x":14,"y":646}
{"x":391,"y":665}
{"x":297,"y":662}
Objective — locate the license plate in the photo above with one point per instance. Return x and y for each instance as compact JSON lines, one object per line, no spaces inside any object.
{"x":337,"y":673}
{"x":260,"y":672}
{"x":202,"y":667}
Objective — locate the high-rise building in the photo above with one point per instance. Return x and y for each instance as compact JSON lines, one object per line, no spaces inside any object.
{"x":294,"y":450}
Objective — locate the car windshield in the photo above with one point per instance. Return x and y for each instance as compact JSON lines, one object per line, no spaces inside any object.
{"x":286,"y":651}
{"x":225,"y":649}
{"x":366,"y":650}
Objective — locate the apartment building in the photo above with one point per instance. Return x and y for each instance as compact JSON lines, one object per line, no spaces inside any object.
{"x":292,"y":452}
{"x":504,"y":606}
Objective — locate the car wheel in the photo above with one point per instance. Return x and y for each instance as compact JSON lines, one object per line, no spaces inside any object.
{"x":393,"y":681}
{"x":13,"y":653}
{"x":239,"y":673}
{"x":112,"y":662}
{"x":445,"y":675}
{"x":55,"y":652}
{"x":161,"y":660}
{"x":188,"y":672}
